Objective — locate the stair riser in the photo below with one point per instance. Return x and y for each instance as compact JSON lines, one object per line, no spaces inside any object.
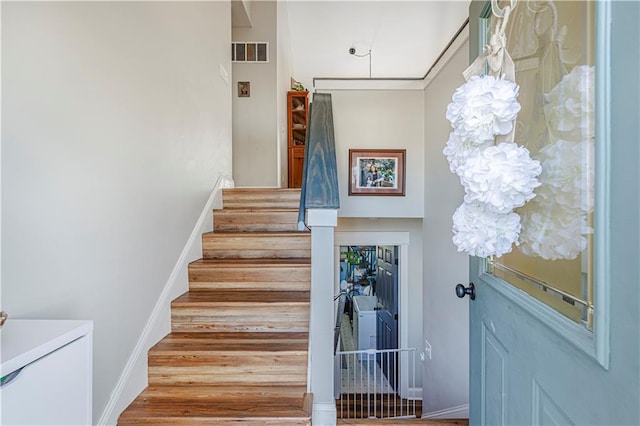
{"x":253,"y":363}
{"x":289,"y":395}
{"x":286,"y":318}
{"x":254,"y":221}
{"x":284,"y":279}
{"x":225,"y":375}
{"x":222,"y":246}
{"x":266,"y":342}
{"x":250,"y":285}
{"x":255,"y":254}
{"x":247,"y":199}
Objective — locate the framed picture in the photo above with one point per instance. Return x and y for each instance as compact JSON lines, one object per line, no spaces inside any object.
{"x":377,"y":171}
{"x":244,"y":89}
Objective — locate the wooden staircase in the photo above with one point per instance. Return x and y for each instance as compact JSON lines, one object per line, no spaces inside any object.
{"x":237,"y":351}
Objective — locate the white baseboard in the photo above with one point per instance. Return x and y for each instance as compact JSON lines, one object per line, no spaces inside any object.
{"x":324,"y":414}
{"x":458,"y":412}
{"x":134,"y":376}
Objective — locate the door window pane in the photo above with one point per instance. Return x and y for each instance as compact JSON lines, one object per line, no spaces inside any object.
{"x":552,"y":45}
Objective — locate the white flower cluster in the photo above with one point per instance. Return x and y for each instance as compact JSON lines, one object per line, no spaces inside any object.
{"x":553,"y":233}
{"x":496,"y":179}
{"x":555,"y":224}
{"x":569,"y":107}
{"x":568,"y":174}
{"x":480,"y":231}
{"x":458,"y":150}
{"x":482,"y":108}
{"x":502,"y":176}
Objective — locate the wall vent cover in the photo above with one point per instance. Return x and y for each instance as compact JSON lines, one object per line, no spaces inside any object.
{"x":250,"y":51}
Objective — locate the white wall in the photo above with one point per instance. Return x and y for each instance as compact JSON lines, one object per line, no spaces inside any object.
{"x":283,"y":85}
{"x":255,"y":121}
{"x":446,"y":380}
{"x":115,"y":126}
{"x":378,"y":120}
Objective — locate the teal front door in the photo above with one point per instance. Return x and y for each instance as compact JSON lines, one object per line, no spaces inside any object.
{"x":555,"y":325}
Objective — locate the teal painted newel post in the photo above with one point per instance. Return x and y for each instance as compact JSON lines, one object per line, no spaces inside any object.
{"x":320,"y":200}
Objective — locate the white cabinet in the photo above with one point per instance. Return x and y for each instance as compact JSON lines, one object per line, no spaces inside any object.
{"x":364,"y":323}
{"x":46,"y":372}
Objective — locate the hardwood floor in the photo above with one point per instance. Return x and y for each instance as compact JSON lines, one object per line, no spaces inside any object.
{"x":238,"y":349}
{"x":364,"y":406}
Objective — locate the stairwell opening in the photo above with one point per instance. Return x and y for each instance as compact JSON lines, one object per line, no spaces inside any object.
{"x":372,"y":276}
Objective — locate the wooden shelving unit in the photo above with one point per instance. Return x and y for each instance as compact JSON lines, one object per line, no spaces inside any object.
{"x":297,"y":116}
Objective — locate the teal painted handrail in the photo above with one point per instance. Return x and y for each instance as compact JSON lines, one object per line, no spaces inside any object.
{"x":303,"y":193}
{"x":320,"y":170}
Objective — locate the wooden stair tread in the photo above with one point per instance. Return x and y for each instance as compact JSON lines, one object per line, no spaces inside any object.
{"x":232,"y":342}
{"x":274,"y":297}
{"x":206,"y":412}
{"x":251,"y":263}
{"x":256,"y":234}
{"x":257,"y":210}
{"x":259,"y":189}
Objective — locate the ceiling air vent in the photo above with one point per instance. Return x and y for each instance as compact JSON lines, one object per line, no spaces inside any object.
{"x":250,"y":51}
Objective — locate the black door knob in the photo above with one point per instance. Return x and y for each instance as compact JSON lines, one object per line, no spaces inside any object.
{"x":461,"y":291}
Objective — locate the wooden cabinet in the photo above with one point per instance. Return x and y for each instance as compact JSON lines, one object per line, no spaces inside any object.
{"x":297,"y":116}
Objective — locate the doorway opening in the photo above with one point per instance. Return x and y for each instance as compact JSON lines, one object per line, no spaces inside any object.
{"x":373,"y":360}
{"x":369,"y":285}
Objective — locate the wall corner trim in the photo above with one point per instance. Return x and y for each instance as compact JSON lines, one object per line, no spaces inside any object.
{"x":164,"y":300}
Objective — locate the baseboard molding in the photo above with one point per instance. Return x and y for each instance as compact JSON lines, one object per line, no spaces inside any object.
{"x":129,"y":384}
{"x":458,"y":412}
{"x":324,"y":414}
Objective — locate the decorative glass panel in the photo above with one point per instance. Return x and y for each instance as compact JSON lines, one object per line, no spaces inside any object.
{"x":552,"y":45}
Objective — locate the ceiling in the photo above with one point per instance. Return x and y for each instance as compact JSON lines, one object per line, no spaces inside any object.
{"x":405,"y":37}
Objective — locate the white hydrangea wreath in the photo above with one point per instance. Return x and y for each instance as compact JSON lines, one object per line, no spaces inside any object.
{"x":496,"y":179}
